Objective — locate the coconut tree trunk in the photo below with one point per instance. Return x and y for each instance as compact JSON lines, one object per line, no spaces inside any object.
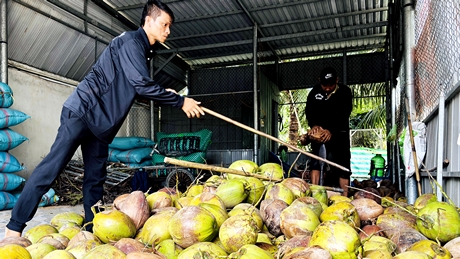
{"x":293,"y":126}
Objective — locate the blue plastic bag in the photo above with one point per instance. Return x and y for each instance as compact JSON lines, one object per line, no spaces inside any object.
{"x":9,"y":182}
{"x":10,"y":117}
{"x":10,"y":139}
{"x":137,"y":155}
{"x":7,"y":200}
{"x":9,"y":163}
{"x":6,"y":95}
{"x":126,"y":143}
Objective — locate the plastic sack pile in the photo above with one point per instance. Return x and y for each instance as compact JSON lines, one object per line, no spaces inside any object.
{"x":9,"y":139}
{"x":131,"y":151}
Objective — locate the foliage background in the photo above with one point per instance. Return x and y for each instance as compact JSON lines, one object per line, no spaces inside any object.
{"x":367,"y":121}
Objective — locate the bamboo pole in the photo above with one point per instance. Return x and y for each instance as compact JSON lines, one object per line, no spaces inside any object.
{"x":220,"y":116}
{"x":212,"y":168}
{"x":414,"y":154}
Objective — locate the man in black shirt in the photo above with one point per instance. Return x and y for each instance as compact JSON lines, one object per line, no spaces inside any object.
{"x":328,"y":110}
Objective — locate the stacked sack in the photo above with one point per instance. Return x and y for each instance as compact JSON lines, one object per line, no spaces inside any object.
{"x":9,"y":139}
{"x":132,"y":151}
{"x":9,"y":165}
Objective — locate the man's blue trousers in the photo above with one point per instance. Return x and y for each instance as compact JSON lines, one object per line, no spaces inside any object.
{"x":72,"y":133}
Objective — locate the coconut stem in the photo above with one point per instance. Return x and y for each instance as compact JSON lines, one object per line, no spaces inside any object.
{"x":440,"y":188}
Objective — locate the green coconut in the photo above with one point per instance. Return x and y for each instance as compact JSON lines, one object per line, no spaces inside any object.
{"x":113,"y":225}
{"x":194,"y":190}
{"x":430,"y":248}
{"x":69,"y":230}
{"x":207,"y":250}
{"x":169,"y":249}
{"x":423,"y":200}
{"x":155,"y":229}
{"x":83,"y":235}
{"x":37,"y":232}
{"x":248,"y":209}
{"x":243,"y":165}
{"x":250,"y":252}
{"x":379,"y":243}
{"x":319,"y":193}
{"x":337,"y":237}
{"x":82,"y":247}
{"x":272,"y":170}
{"x":238,"y":231}
{"x":298,"y":219}
{"x":55,"y":239}
{"x":378,"y":254}
{"x":298,"y":186}
{"x":183,"y":202}
{"x":256,"y":190}
{"x":338,"y":198}
{"x":158,"y":200}
{"x":439,"y":221}
{"x":412,"y":255}
{"x":214,"y":180}
{"x":63,"y":218}
{"x":191,"y":225}
{"x":14,"y":251}
{"x":312,"y":203}
{"x":105,"y":251}
{"x":344,"y":211}
{"x":279,"y":191}
{"x":207,"y":197}
{"x":219,"y":213}
{"x":232,"y":192}
{"x":39,"y":250}
{"x":59,"y":254}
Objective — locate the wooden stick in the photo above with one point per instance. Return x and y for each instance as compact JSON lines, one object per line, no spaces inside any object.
{"x":173,"y":161}
{"x":414,"y":154}
{"x":188,"y":164}
{"x":220,"y":116}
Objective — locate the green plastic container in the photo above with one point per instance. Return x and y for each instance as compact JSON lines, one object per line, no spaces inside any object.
{"x":377,"y":166}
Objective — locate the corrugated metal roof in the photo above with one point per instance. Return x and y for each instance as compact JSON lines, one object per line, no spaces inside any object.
{"x":65,"y":37}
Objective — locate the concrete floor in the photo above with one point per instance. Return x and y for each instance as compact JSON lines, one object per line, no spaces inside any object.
{"x":43,"y":216}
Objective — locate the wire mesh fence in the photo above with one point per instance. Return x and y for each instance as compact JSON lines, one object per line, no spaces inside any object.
{"x":139,"y":121}
{"x":437,"y":56}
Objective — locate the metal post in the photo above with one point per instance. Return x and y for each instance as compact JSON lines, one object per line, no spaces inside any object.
{"x":256,"y":106}
{"x":395,"y":167}
{"x":409,"y":42}
{"x":152,"y":108}
{"x":3,"y":42}
{"x":441,"y":118}
{"x":344,"y":68}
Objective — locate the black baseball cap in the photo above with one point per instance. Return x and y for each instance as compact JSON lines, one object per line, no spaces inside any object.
{"x":328,"y":76}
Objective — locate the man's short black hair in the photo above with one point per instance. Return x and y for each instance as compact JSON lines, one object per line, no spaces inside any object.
{"x":328,"y":76}
{"x":154,"y":8}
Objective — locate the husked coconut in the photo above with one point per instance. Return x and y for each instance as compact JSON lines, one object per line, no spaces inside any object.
{"x":136,"y":207}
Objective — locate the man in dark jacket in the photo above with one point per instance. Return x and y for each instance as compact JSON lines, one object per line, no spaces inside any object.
{"x":95,"y":111}
{"x":328,"y":110}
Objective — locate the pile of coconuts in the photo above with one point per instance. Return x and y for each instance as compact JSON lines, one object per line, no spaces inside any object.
{"x":233,"y":216}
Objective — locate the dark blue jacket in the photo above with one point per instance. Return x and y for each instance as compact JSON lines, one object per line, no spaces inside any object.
{"x":121,"y":74}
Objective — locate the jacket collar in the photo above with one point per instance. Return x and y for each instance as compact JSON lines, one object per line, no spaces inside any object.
{"x":149,"y":51}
